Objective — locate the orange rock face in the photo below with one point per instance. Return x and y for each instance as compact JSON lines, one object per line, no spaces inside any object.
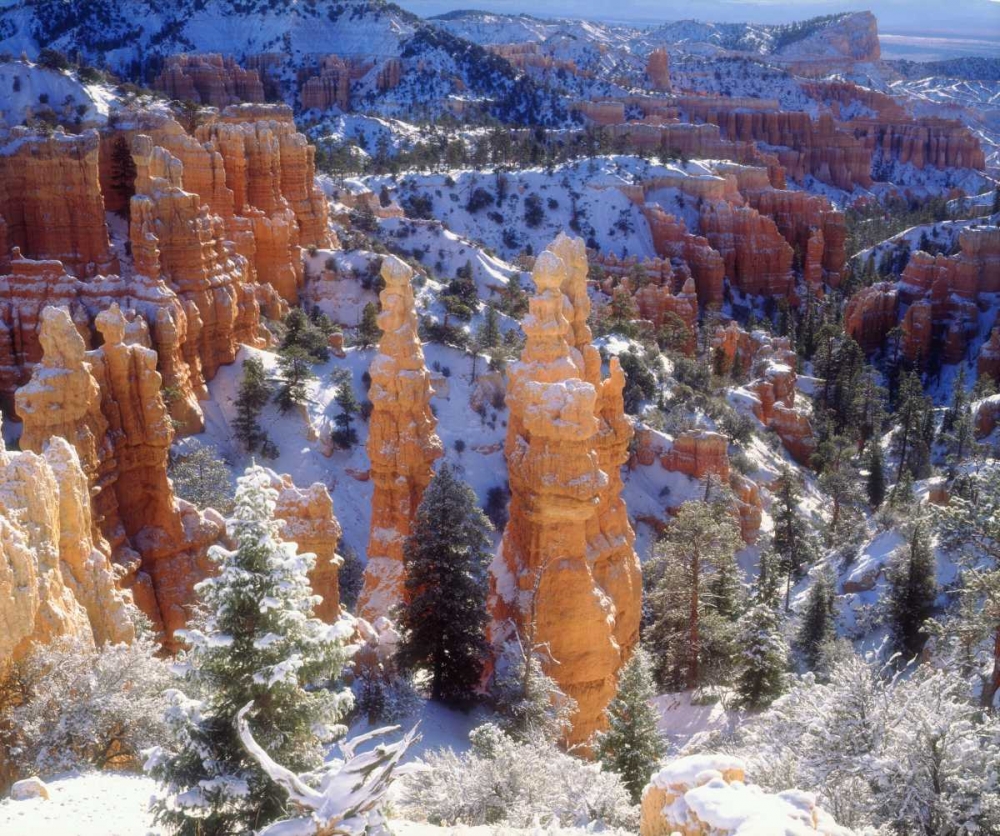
{"x":331,"y":87}
{"x":987,"y":416}
{"x":672,"y":240}
{"x":757,"y":258}
{"x":107,"y":404}
{"x":209,"y":79}
{"x":658,"y":70}
{"x":311,"y":524}
{"x":563,"y":504}
{"x":989,"y":356}
{"x":51,"y":201}
{"x":55,"y":579}
{"x":871,"y":314}
{"x":697,"y":454}
{"x":402,"y":443}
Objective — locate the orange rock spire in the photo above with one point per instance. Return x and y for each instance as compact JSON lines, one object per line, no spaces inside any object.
{"x":568,"y":533}
{"x":402,"y":443}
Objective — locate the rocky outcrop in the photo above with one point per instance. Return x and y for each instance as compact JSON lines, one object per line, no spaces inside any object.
{"x":107,"y":404}
{"x":330,"y":87}
{"x":987,"y":415}
{"x":208,"y":79}
{"x":989,"y":356}
{"x":568,"y":532}
{"x":50,"y":199}
{"x":871,"y":314}
{"x":658,"y":70}
{"x":698,"y":454}
{"x":610,"y":537}
{"x":659,"y":306}
{"x":709,"y":795}
{"x":402,"y":443}
{"x":55,"y":579}
{"x":310,"y":523}
{"x":672,"y":240}
{"x":757,"y":258}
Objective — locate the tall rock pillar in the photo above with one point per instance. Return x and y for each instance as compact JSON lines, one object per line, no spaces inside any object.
{"x":402,"y":443}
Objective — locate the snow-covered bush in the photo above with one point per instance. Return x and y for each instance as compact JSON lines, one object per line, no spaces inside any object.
{"x":85,"y":707}
{"x":500,"y":781}
{"x":907,"y":753}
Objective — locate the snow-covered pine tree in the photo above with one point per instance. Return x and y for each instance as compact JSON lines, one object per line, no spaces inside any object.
{"x":912,"y":590}
{"x":817,"y":628}
{"x":792,"y":541}
{"x":632,"y":745}
{"x":254,"y":641}
{"x":763,"y":649}
{"x":444,"y":618}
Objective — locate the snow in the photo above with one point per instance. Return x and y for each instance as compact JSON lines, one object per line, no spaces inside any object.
{"x":88,"y":804}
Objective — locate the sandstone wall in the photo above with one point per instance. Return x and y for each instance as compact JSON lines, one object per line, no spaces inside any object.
{"x":208,"y":79}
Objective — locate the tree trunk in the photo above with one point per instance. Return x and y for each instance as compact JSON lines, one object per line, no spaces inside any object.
{"x":989,"y":692}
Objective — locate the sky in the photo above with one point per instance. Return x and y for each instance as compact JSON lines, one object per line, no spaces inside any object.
{"x":959,"y":18}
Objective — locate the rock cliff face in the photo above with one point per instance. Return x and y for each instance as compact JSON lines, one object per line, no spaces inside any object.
{"x":658,"y":70}
{"x":311,"y":524}
{"x":568,"y":533}
{"x":987,"y":415}
{"x":209,"y":79}
{"x":757,"y":258}
{"x":942,"y":293}
{"x":402,"y":443}
{"x":107,"y":404}
{"x":55,"y":579}
{"x":672,"y":240}
{"x":870,"y":315}
{"x":989,"y":355}
{"x":50,"y":199}
{"x":709,"y":795}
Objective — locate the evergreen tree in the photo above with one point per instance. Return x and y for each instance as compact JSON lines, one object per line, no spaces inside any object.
{"x":295,"y":367}
{"x":875,"y":483}
{"x":254,"y":393}
{"x":910,"y":418}
{"x":529,"y":702}
{"x":445,"y":559}
{"x":686,"y":631}
{"x":345,"y":435}
{"x":202,"y":478}
{"x":763,"y":654}
{"x":912,"y":590}
{"x":254,"y":642}
{"x":368,"y":330}
{"x":792,"y":542}
{"x":817,"y":629}
{"x":302,"y":332}
{"x":632,"y":745}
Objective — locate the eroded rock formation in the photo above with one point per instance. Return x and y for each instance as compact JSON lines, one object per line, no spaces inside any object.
{"x":208,"y":79}
{"x":568,"y":533}
{"x":50,"y":199}
{"x":402,"y":443}
{"x":55,"y":579}
{"x":311,"y":524}
{"x":658,"y":70}
{"x":709,"y":795}
{"x":871,"y":314}
{"x":107,"y":404}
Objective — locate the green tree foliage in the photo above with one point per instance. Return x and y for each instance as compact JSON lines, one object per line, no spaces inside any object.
{"x":632,"y":745}
{"x":875,"y":483}
{"x":295,"y":372}
{"x":254,"y":393}
{"x":201,"y":477}
{"x":912,"y":591}
{"x":689,"y":638}
{"x":793,"y":542}
{"x":368,"y":330}
{"x":446,"y":558}
{"x":816,"y":632}
{"x":307,"y":334}
{"x":254,"y":641}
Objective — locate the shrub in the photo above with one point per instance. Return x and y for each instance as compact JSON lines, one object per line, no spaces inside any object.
{"x":202,"y":478}
{"x":85,"y":707}
{"x":502,"y":782}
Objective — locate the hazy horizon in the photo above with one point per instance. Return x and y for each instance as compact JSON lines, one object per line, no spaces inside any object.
{"x":972,"y":19}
